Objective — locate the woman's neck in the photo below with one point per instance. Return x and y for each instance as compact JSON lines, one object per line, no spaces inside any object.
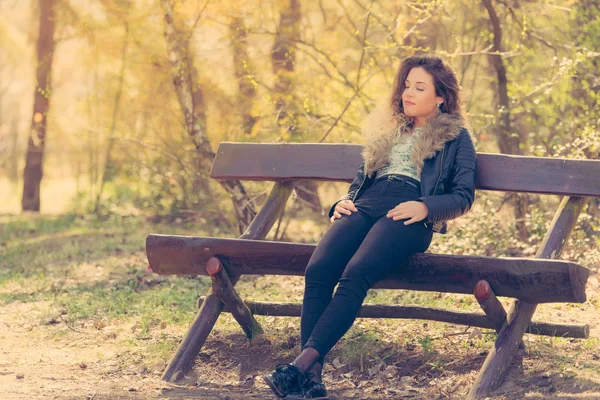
{"x":420,"y":122}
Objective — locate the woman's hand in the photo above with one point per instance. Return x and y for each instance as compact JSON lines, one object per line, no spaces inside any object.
{"x":415,"y":211}
{"x":343,"y":207}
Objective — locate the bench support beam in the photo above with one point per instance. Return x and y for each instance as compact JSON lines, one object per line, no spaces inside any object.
{"x":499,"y":359}
{"x":490,"y":304}
{"x":183,"y":359}
{"x":223,"y":289}
{"x":416,"y":312}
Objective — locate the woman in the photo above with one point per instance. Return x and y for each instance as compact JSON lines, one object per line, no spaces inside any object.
{"x":418,"y":171}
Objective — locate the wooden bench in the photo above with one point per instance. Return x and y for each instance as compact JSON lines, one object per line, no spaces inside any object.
{"x":530,"y":281}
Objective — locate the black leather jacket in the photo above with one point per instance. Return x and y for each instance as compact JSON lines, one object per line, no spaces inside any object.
{"x":447,"y":182}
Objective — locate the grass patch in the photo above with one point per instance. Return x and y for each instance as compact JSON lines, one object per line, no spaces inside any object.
{"x":161,"y":349}
{"x":14,"y":227}
{"x":51,"y":248}
{"x":172,"y":300}
{"x":364,"y":348}
{"x":92,"y":269}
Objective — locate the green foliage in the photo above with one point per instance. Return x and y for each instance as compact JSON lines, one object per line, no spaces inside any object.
{"x":427,"y":344}
{"x":341,"y":62}
{"x":486,"y":230}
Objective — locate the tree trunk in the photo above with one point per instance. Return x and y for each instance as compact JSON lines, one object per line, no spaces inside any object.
{"x":283,"y":56}
{"x":32,"y":175}
{"x":243,"y":72}
{"x":189,"y":94}
{"x":507,"y":142}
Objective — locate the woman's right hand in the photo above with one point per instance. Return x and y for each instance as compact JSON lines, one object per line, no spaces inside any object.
{"x":343,"y":207}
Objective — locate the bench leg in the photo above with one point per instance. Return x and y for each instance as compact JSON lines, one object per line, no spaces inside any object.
{"x":501,"y":355}
{"x":499,"y":359}
{"x":490,"y":304}
{"x":494,"y":310}
{"x":224,"y":290}
{"x":183,"y":359}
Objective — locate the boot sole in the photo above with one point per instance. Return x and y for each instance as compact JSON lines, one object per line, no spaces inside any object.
{"x":272,"y":386}
{"x":294,"y":397}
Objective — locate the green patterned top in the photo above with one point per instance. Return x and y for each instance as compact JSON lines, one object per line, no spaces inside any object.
{"x":400,"y":162}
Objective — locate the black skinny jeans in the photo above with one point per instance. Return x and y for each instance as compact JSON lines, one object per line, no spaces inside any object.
{"x":357,"y":250}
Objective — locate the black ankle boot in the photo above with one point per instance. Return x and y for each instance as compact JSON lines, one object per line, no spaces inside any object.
{"x":312,"y":387}
{"x":310,"y":390}
{"x":286,"y":379}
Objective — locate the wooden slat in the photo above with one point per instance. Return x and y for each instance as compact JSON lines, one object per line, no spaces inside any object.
{"x":339,"y":162}
{"x":279,"y":162}
{"x":540,"y":281}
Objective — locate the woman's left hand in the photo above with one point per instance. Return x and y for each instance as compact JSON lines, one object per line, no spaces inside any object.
{"x":415,"y":211}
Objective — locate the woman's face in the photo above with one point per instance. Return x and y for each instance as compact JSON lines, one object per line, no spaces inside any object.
{"x":419,"y":99}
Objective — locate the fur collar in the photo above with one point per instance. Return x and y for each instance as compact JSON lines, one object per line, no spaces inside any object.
{"x":383,"y":128}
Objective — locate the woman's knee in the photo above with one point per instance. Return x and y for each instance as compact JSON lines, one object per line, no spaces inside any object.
{"x":352,"y":288}
{"x":360,"y":275}
{"x":319,"y":272}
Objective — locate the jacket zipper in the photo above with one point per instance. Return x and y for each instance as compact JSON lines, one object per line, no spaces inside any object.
{"x":439,"y":177}
{"x":441,"y":166}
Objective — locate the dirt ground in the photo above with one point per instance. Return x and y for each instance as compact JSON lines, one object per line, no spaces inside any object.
{"x":91,"y":363}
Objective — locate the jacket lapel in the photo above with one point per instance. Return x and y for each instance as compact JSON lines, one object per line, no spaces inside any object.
{"x":383,"y":129}
{"x":439,"y":130}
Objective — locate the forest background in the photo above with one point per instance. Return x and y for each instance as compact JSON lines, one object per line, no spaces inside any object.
{"x":111,"y":112}
{"x":132,"y":98}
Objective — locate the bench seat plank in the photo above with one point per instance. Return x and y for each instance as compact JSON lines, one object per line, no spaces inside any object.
{"x":531,"y":280}
{"x":339,"y":162}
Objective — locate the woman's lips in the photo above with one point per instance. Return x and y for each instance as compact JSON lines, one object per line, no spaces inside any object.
{"x":409,"y":103}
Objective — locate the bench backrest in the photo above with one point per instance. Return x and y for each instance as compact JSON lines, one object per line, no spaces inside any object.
{"x":339,"y":162}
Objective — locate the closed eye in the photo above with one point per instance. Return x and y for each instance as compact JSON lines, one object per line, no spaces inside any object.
{"x":419,"y":89}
